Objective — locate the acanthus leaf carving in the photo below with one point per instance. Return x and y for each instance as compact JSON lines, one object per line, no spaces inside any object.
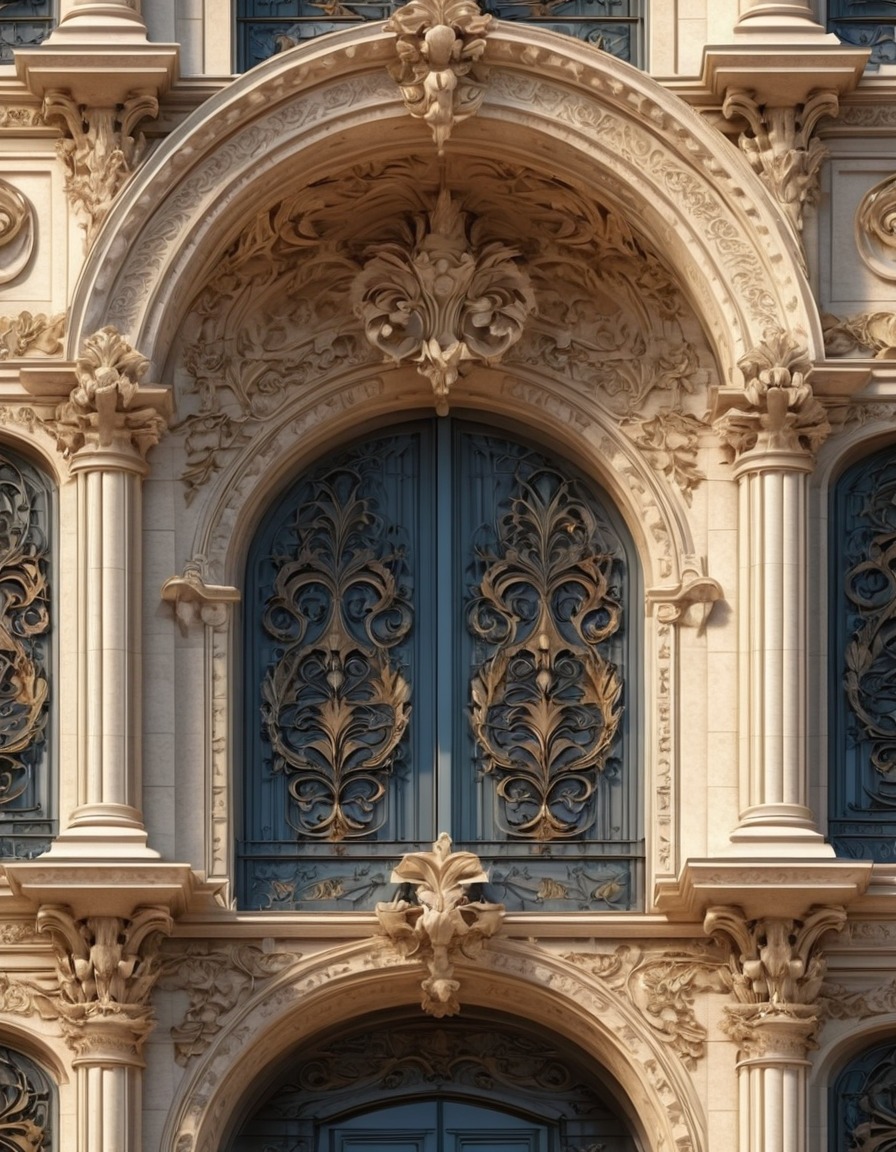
{"x":442,"y":924}
{"x":661,"y":986}
{"x":781,"y":149}
{"x":841,"y":1003}
{"x":31,"y":335}
{"x":216,"y":981}
{"x":778,"y":410}
{"x":441,"y":299}
{"x":873,"y":332}
{"x":669,"y":440}
{"x":99,"y":152}
{"x":104,"y":409}
{"x":440,"y":44}
{"x":106,"y":969}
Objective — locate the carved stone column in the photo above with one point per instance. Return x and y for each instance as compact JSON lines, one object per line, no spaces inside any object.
{"x":760,"y":15}
{"x":775,"y":975}
{"x":106,"y":967}
{"x":106,"y":428}
{"x":773,"y":428}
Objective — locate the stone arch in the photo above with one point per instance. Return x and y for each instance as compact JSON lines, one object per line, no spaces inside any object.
{"x":334,"y":987}
{"x":550,"y":99}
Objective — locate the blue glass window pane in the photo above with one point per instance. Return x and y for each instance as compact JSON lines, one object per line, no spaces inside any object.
{"x":265,"y":27}
{"x":863,"y":1102}
{"x":416,"y":606}
{"x":27,"y":1104}
{"x":24,"y":24}
{"x":863,"y":692}
{"x":866,"y":24}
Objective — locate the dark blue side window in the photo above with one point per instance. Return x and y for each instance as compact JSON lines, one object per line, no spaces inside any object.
{"x":863,"y":1101}
{"x":863,"y":684}
{"x":866,"y":24}
{"x":439,"y":639}
{"x":264,"y":27}
{"x":23,"y":24}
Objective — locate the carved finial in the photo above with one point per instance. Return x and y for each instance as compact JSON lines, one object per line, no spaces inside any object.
{"x":100,"y":152}
{"x":781,"y":149}
{"x":783,"y":412}
{"x":439,"y":44}
{"x":106,"y":967}
{"x":442,"y":924}
{"x":101,"y":412}
{"x":443,"y":299}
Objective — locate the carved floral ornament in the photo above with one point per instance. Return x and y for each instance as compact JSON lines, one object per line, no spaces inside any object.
{"x":16,"y":232}
{"x":441,"y":924}
{"x":876,"y":229}
{"x":777,"y":410}
{"x":497,"y":264}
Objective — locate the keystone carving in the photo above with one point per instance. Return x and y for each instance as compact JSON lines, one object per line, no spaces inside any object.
{"x":440,"y":924}
{"x":781,"y":149}
{"x":782,"y":412}
{"x":776,"y":973}
{"x":104,"y":411}
{"x":445,"y":299}
{"x":216,"y":981}
{"x":106,"y":968}
{"x":99,"y":152}
{"x":16,"y":232}
{"x":439,"y":44}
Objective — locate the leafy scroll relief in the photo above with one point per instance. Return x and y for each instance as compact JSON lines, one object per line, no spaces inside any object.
{"x":336,"y":703}
{"x":439,"y":45}
{"x":443,"y":923}
{"x":545,"y":700}
{"x":443,"y":297}
{"x":24,"y":619}
{"x":870,"y":585}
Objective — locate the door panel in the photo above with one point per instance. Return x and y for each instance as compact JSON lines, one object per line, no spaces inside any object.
{"x":435,"y":1126}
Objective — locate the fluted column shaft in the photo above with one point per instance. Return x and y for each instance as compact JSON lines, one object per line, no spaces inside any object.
{"x":772,"y":1087}
{"x":772,"y":531}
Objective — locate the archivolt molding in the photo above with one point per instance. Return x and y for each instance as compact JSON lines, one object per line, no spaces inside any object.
{"x":591,"y":114}
{"x":333,"y":987}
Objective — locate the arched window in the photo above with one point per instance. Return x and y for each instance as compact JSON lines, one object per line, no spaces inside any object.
{"x":863,"y":1102}
{"x":264,"y":27}
{"x":27,"y":1104}
{"x":27,"y":794}
{"x":24,"y":24}
{"x":862,"y":816}
{"x":438,"y":640}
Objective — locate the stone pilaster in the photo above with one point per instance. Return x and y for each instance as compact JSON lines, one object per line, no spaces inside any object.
{"x":772,"y":431}
{"x":106,"y":428}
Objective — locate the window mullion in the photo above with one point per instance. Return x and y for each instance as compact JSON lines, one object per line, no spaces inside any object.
{"x":446,"y":625}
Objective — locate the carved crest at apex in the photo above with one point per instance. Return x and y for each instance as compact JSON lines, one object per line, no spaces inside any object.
{"x":441,"y":924}
{"x":439,"y":45}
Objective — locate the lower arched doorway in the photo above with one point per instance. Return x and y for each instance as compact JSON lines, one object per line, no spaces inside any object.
{"x":414,"y":1084}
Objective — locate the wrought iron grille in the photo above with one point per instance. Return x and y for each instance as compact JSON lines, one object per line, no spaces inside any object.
{"x":26,"y":792}
{"x":863,"y":1103}
{"x":866,"y":24}
{"x":437,"y":642}
{"x":863,"y":548}
{"x":27,"y":1102}
{"x":265,"y":27}
{"x":23,"y":24}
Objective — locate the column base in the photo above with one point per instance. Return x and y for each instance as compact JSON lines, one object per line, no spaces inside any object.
{"x":102,"y":832}
{"x":778,"y":830}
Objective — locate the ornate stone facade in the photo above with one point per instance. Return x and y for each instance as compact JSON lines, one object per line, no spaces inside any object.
{"x":660,"y":300}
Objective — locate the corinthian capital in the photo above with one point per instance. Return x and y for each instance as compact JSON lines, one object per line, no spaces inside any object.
{"x":104,"y":411}
{"x":106,"y":967}
{"x":781,"y":148}
{"x":777,"y":410}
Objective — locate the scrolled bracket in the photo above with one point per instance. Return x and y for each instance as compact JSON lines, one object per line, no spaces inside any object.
{"x":194,"y":600}
{"x":691,"y":601}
